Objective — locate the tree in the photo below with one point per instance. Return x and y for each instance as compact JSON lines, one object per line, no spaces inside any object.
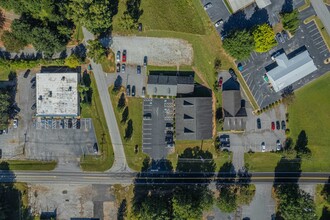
{"x":290,"y":21}
{"x":264,"y":38}
{"x":129,"y":129}
{"x":4,"y":105}
{"x":95,"y":15}
{"x":124,"y":116}
{"x":227,"y":201}
{"x":239,"y":44}
{"x":133,"y":9}
{"x":121,"y":101}
{"x":72,"y":61}
{"x":11,"y":42}
{"x":301,"y":145}
{"x":127,"y":22}
{"x":96,"y":51}
{"x":83,"y":90}
{"x":217,"y":64}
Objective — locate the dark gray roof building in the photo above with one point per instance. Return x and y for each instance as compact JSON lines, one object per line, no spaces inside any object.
{"x":193,"y":118}
{"x":170,"y":84}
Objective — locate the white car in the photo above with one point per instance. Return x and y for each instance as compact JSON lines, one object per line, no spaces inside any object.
{"x":118,"y":56}
{"x":15,"y":123}
{"x":278,"y":145}
{"x":218,"y":23}
{"x":263,"y":147}
{"x":208,"y":5}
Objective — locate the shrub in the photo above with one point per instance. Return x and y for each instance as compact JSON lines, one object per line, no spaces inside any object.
{"x":287,"y":131}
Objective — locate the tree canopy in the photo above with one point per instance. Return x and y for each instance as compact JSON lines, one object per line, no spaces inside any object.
{"x":239,"y":44}
{"x":4,"y":105}
{"x":264,"y":38}
{"x":290,"y":21}
{"x":96,"y":51}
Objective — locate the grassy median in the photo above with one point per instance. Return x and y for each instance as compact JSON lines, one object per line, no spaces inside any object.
{"x":27,"y":165}
{"x":94,"y":110}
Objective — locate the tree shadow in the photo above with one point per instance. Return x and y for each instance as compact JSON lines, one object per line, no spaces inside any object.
{"x":122,"y":210}
{"x":239,"y":20}
{"x":325,"y":213}
{"x":302,"y":144}
{"x":86,"y":79}
{"x":80,"y":51}
{"x":11,"y":206}
{"x":118,"y":83}
{"x":287,"y":171}
{"x":133,"y":9}
{"x":129,"y":130}
{"x":287,"y":7}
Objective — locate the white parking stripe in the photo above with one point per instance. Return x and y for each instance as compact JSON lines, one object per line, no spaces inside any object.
{"x":326,"y":49}
{"x":146,"y":148}
{"x":147,"y":129}
{"x":315,"y":34}
{"x":317,"y":38}
{"x":146,"y":138}
{"x":312,"y":30}
{"x":321,"y":46}
{"x":321,"y":41}
{"x":312,"y":25}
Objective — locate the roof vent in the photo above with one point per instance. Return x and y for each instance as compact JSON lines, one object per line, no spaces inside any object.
{"x":40,"y":97}
{"x":50,"y":94}
{"x":63,"y":78}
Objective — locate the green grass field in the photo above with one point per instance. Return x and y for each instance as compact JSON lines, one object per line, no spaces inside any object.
{"x":309,"y":112}
{"x":29,"y":165}
{"x":95,"y":111}
{"x":134,"y":160}
{"x":219,"y":157}
{"x":320,"y":202}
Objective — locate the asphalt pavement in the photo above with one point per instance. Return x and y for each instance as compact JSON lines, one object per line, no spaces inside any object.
{"x":120,"y":163}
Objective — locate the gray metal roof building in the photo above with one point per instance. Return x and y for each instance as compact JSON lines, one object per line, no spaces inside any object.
{"x":170,"y":85}
{"x":290,"y":70}
{"x":193,"y":118}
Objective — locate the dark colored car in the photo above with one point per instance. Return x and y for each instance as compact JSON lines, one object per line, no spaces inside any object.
{"x":118,"y":68}
{"x":26,"y":74}
{"x":95,"y":148}
{"x":143,"y":91}
{"x":140,"y":27}
{"x":78,"y":124}
{"x":232,"y":74}
{"x":33,"y":80}
{"x":133,"y":90}
{"x":138,"y":69}
{"x":258,"y":123}
{"x":147,"y":116}
{"x":70,"y":123}
{"x":285,"y":35}
{"x":0,"y":153}
{"x":278,"y":126}
{"x":145,"y":61}
{"x":283,"y":125}
{"x":280,"y":38}
{"x":33,"y":85}
{"x":128,"y":90}
{"x":124,"y":56}
{"x":273,"y":125}
{"x":33,"y":106}
{"x":1,"y":131}
{"x":220,"y":82}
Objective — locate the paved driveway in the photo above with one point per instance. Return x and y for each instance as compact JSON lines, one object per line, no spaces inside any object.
{"x":160,"y":51}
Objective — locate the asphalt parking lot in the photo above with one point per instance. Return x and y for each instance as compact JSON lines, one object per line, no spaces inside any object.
{"x":217,"y":11}
{"x":154,"y":128}
{"x":254,"y":67}
{"x":160,"y":51}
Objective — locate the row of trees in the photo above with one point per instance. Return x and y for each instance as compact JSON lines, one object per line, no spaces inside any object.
{"x":121,"y":106}
{"x":240,"y":43}
{"x":4,"y":108}
{"x":48,"y":25}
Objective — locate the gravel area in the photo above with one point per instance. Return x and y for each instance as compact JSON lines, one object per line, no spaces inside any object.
{"x":160,"y":51}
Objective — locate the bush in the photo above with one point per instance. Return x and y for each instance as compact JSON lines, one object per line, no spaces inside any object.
{"x":7,"y":64}
{"x":290,"y":21}
{"x":287,"y":131}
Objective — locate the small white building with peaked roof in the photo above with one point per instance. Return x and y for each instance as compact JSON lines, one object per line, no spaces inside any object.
{"x":290,"y":70}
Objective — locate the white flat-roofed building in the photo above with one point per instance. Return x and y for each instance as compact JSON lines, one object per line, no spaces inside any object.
{"x":57,"y":94}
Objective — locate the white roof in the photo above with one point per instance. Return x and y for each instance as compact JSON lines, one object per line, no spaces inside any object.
{"x":238,"y":4}
{"x":291,"y":70}
{"x":57,"y":94}
{"x":263,"y":3}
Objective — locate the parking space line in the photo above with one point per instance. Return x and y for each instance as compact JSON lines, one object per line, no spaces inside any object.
{"x":317,"y":38}
{"x":311,"y":25}
{"x":321,"y":41}
{"x":326,"y":49}
{"x":321,"y":46}
{"x":146,"y":138}
{"x":147,"y":129}
{"x":312,"y":30}
{"x":315,"y":34}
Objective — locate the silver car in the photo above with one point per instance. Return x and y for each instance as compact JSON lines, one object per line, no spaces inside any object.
{"x":118,"y":56}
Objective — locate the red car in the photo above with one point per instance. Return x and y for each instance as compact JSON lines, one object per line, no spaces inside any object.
{"x":124,"y":56}
{"x":273,"y":126}
{"x":220,"y":82}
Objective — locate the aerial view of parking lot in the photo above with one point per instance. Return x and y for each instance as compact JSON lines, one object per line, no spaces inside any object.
{"x":167,"y":109}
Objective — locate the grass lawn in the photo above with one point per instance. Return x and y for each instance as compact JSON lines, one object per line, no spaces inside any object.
{"x":323,"y":31}
{"x":95,"y":111}
{"x":219,"y":157}
{"x":320,"y":202}
{"x":77,"y":36}
{"x":108,"y":64}
{"x":309,"y":112}
{"x":30,"y":165}
{"x":134,"y":160}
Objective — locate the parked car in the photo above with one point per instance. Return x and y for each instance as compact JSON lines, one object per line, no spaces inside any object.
{"x":208,"y":5}
{"x":280,"y":38}
{"x":33,"y":80}
{"x":33,"y":85}
{"x":140,"y":27}
{"x":278,"y":145}
{"x":283,"y":125}
{"x":124,"y":56}
{"x":285,"y":35}
{"x":128,"y":90}
{"x":33,"y":107}
{"x":278,"y":125}
{"x":218,"y":23}
{"x":138,"y":69}
{"x":15,"y":123}
{"x":118,"y":56}
{"x":263,"y":147}
{"x":133,"y":90}
{"x":78,"y":124}
{"x":123,"y":68}
{"x":89,"y":67}
{"x":258,"y":123}
{"x":70,"y":123}
{"x":220,"y":82}
{"x":147,"y":116}
{"x":27,"y":72}
{"x":273,"y":125}
{"x":143,"y":91}
{"x":1,"y":132}
{"x":145,"y":61}
{"x":95,"y":148}
{"x":0,"y":153}
{"x":118,"y":68}
{"x":223,"y":35}
{"x":233,"y":74}
{"x":169,"y":126}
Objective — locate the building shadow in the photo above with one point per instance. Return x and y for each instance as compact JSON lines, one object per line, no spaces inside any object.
{"x":287,"y":7}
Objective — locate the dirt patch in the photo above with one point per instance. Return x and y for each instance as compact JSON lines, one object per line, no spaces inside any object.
{"x":8,"y":16}
{"x":160,"y":51}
